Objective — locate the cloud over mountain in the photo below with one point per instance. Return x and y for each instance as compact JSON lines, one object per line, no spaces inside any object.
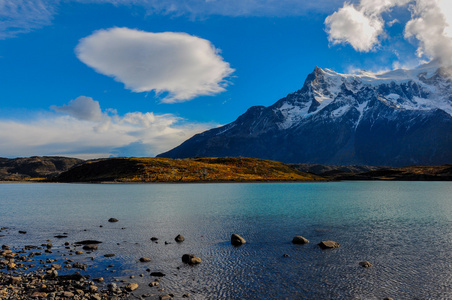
{"x":362,"y":26}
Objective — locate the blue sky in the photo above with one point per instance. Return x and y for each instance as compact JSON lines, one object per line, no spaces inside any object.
{"x":99,"y":78}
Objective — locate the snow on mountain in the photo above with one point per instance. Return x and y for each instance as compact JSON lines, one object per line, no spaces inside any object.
{"x":389,"y":118}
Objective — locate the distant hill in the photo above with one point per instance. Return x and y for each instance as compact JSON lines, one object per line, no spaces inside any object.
{"x":26,"y":168}
{"x":184,"y":170}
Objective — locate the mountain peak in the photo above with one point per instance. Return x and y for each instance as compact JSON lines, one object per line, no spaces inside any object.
{"x":396,"y":117}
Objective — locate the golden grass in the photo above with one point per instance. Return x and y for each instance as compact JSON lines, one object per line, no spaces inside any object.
{"x":148,"y":169}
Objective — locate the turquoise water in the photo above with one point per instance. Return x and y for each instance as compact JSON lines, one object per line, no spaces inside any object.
{"x":403,"y":228}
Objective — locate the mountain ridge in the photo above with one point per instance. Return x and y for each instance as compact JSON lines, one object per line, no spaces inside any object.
{"x":394,"y":118}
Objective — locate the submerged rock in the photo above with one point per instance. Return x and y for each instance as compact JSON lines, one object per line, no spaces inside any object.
{"x":90,"y":247}
{"x":299,"y":240}
{"x":328,"y":244}
{"x":237,"y":240}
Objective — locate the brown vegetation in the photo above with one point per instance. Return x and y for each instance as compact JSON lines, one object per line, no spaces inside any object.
{"x":184,"y":170}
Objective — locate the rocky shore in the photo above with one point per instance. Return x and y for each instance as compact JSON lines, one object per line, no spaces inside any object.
{"x":47,"y":272}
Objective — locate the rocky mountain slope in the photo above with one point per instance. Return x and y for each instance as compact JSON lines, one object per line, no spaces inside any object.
{"x":396,"y":118}
{"x":25,"y":168}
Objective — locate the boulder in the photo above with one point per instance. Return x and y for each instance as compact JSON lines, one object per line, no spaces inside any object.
{"x":179,"y":238}
{"x":109,"y":255}
{"x":328,"y":245}
{"x":299,"y":240}
{"x":112,"y":220}
{"x":237,"y":240}
{"x":157,"y":274}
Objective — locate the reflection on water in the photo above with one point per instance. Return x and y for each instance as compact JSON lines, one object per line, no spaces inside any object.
{"x":403,"y":228}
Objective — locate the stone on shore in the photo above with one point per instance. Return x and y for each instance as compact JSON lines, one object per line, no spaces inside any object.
{"x":299,"y":240}
{"x":179,"y":238}
{"x":191,"y":259}
{"x":328,"y":245}
{"x":237,"y":240}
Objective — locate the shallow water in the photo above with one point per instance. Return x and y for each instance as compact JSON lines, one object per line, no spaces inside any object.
{"x":403,"y":228}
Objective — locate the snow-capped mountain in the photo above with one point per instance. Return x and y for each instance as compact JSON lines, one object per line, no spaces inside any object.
{"x":393,"y":118}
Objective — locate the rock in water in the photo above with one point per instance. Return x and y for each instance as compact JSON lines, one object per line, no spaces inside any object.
{"x":237,"y":240}
{"x":299,"y":240}
{"x":328,"y":244}
{"x":112,"y":220}
{"x":131,"y":286}
{"x":180,"y":238}
{"x":145,"y":259}
{"x":191,"y":259}
{"x":365,"y":264}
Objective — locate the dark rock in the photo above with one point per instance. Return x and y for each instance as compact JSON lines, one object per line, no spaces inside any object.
{"x":154,"y":238}
{"x":22,"y":232}
{"x":60,"y":236}
{"x":328,"y":244}
{"x":109,"y":255}
{"x":75,"y":277}
{"x":112,"y":220}
{"x":179,"y":238}
{"x":237,"y":240}
{"x":186,"y":295}
{"x":299,"y":240}
{"x":286,"y":255}
{"x":90,"y":247}
{"x":191,"y":259}
{"x":157,"y":274}
{"x":365,"y":264}
{"x":145,"y":259}
{"x":87,"y":242}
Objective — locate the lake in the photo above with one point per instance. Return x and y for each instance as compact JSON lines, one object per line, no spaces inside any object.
{"x":403,"y":228}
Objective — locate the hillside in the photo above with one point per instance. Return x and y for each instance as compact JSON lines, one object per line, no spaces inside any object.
{"x":27,"y":168}
{"x":184,"y":170}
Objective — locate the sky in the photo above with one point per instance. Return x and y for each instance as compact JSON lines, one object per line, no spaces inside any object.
{"x":105,"y":78}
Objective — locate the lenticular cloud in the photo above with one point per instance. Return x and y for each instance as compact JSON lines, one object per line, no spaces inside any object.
{"x":183,"y":65}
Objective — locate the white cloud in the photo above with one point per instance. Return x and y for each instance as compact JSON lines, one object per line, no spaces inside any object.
{"x":185,"y":66}
{"x":21,"y":16}
{"x":83,"y":108}
{"x":134,"y":134}
{"x":429,"y":26}
{"x":354,"y":26}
